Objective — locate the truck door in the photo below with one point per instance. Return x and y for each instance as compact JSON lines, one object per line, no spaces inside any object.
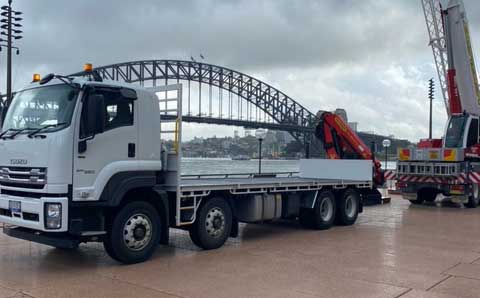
{"x":472,"y":136}
{"x":109,"y":152}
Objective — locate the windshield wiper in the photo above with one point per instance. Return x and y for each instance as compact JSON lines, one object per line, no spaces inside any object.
{"x":33,"y":133}
{"x":65,"y":79}
{"x":7,"y":131}
{"x":16,"y":132}
{"x":68,"y":81}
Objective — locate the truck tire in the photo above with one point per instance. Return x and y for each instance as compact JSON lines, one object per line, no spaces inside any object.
{"x":213,"y":224}
{"x":134,"y":233}
{"x":305,"y":218}
{"x":474,"y":199}
{"x":348,"y":206}
{"x":419,"y":200}
{"x":324,"y":211}
{"x":427,"y":194}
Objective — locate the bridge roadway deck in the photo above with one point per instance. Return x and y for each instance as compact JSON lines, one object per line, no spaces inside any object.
{"x":394,"y":250}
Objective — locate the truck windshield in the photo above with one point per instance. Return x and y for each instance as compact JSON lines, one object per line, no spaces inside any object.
{"x":40,"y":107}
{"x":455,"y":132}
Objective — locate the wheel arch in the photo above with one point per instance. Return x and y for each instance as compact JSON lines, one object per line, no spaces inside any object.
{"x":156,"y":197}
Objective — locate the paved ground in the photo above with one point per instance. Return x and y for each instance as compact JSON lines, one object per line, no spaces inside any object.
{"x":395,"y":250}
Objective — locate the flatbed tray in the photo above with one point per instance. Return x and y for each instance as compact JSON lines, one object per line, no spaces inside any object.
{"x":270,"y":181}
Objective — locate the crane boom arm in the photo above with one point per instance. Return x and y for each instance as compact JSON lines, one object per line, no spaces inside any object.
{"x":449,"y":35}
{"x":433,"y":18}
{"x":341,"y":142}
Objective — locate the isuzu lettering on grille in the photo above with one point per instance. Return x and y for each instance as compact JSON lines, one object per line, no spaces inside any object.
{"x":18,"y":161}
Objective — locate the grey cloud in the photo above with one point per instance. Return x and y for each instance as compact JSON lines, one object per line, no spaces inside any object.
{"x":246,"y":34}
{"x":272,"y":39}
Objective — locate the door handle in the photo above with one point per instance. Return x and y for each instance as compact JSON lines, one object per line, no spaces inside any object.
{"x":131,"y":149}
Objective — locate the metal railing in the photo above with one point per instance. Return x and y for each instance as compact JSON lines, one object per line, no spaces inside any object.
{"x":429,"y":169}
{"x":240,"y":175}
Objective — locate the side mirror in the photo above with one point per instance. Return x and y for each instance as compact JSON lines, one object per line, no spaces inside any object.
{"x":95,"y":123}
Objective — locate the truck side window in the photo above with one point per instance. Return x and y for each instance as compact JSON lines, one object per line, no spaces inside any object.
{"x":118,"y":110}
{"x":472,"y":138}
{"x":119,"y":113}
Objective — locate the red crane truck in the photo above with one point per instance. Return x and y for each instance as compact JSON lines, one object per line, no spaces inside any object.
{"x":450,"y":165}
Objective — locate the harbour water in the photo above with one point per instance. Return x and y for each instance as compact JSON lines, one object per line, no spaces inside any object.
{"x":197,"y":166}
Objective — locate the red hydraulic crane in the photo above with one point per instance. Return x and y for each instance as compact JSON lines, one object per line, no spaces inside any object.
{"x":341,"y":142}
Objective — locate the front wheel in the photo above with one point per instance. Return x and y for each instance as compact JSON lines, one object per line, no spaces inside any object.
{"x":213,"y":224}
{"x":134,"y":233}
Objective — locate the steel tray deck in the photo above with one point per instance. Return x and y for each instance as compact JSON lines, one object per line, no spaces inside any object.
{"x":263,"y":183}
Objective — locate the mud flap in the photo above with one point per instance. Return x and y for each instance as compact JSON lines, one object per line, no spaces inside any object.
{"x":235,"y":228}
{"x":372,"y":197}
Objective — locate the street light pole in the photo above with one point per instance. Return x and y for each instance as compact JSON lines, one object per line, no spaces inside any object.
{"x":386,"y":143}
{"x":260,"y":135}
{"x":9,"y":54}
{"x":430,"y":97}
{"x":8,"y":22}
{"x":386,"y":158}
{"x":260,"y":156}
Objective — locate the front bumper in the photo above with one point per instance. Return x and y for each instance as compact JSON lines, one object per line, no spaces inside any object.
{"x":51,"y":239}
{"x":32,"y":213}
{"x":459,"y":199}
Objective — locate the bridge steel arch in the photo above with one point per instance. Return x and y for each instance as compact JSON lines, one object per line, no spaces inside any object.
{"x":286,"y":113}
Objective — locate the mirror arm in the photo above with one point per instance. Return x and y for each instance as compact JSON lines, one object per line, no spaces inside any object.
{"x":88,"y":138}
{"x":82,"y":143}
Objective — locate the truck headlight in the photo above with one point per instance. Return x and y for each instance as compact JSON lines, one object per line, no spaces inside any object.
{"x":53,"y":216}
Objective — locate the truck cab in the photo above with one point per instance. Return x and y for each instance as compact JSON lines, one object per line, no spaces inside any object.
{"x":449,"y":166}
{"x":71,"y":148}
{"x":462,"y":131}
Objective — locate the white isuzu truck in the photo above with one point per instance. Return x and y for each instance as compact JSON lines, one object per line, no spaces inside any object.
{"x":82,"y":159}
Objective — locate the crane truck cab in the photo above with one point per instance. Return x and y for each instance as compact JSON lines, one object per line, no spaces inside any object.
{"x":451,"y":165}
{"x":461,"y":132}
{"x":448,"y":166}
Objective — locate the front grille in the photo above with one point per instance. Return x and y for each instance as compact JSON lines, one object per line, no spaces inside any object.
{"x":25,"y":215}
{"x":429,"y":168}
{"x":24,"y":177}
{"x":26,"y":194}
{"x":30,"y":216}
{"x":5,"y":212}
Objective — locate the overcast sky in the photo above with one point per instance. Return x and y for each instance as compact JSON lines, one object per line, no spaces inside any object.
{"x":367,"y":56}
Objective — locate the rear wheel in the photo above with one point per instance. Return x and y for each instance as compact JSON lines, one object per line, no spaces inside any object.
{"x":474,"y":198}
{"x":324,"y":211}
{"x":347,"y":207}
{"x":419,"y":200}
{"x":134,"y":233}
{"x":428,"y":195}
{"x":213,"y":224}
{"x":305,"y":218}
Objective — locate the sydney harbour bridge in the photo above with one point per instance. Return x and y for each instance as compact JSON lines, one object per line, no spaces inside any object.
{"x":218,"y":95}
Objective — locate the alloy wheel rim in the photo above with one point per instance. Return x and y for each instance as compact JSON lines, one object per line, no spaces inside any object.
{"x":350,"y":206}
{"x":326,"y":209}
{"x":215,"y":222}
{"x":137,"y":232}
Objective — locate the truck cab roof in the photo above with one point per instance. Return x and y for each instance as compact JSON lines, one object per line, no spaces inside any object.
{"x":81,"y":82}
